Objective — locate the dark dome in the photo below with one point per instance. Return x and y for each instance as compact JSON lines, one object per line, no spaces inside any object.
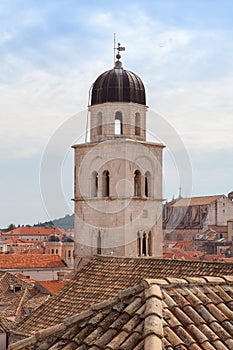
{"x":67,"y":239}
{"x":118,"y":85}
{"x":53,"y":238}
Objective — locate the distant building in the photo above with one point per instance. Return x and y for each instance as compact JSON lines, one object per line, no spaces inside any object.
{"x":35,"y":233}
{"x":63,"y":246}
{"x":36,"y":266}
{"x":3,"y":246}
{"x":184,"y":218}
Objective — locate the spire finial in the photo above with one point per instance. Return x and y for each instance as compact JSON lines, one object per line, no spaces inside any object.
{"x":119,"y":48}
{"x":180,"y":192}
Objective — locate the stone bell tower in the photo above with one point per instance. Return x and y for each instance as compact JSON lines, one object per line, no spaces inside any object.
{"x":118,"y":174}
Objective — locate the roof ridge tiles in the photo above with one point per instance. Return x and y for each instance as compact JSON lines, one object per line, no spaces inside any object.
{"x":200,"y":281}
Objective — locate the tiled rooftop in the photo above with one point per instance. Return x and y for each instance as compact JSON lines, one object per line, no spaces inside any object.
{"x":157,"y":314}
{"x":205,"y":200}
{"x":183,"y":244}
{"x":15,"y":294}
{"x":24,"y":230}
{"x":52,"y":287}
{"x":180,"y":254}
{"x":104,"y":277}
{"x":20,"y":261}
{"x":219,"y":229}
{"x":35,"y":251}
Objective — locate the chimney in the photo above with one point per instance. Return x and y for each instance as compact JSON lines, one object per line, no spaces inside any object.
{"x":60,"y":276}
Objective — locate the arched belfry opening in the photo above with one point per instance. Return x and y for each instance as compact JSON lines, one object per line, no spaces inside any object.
{"x":105,"y":184}
{"x":94,"y":184}
{"x":137,"y":124}
{"x":118,"y":123}
{"x":99,"y":123}
{"x":148,"y":184}
{"x":144,"y":244}
{"x":137,"y":183}
{"x":150,"y":244}
{"x":99,"y":243}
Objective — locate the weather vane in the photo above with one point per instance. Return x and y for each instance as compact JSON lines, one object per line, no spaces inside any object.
{"x":118,"y":48}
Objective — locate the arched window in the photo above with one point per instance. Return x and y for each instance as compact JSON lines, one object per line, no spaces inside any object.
{"x":148,"y":184}
{"x":118,"y":123}
{"x":144,"y":244}
{"x":150,"y":244}
{"x":105,"y":183}
{"x":137,"y":124}
{"x":137,"y":183}
{"x":99,"y":243}
{"x":94,"y":184}
{"x":52,"y":251}
{"x":139,"y":246}
{"x":99,"y":123}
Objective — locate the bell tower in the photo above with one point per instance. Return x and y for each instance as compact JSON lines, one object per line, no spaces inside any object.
{"x":118,"y":174}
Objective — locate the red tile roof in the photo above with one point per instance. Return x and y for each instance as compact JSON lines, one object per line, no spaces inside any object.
{"x":158,"y":314}
{"x":183,"y":245}
{"x":35,"y":251}
{"x":103,"y":277}
{"x":25,"y":278}
{"x":12,"y":240}
{"x":180,"y":254}
{"x":217,"y":257}
{"x":45,"y":231}
{"x":24,"y":261}
{"x":52,"y":286}
{"x":204,"y":200}
{"x":15,"y":293}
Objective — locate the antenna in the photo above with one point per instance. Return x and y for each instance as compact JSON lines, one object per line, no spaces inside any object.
{"x":114,"y":48}
{"x":180,"y":193}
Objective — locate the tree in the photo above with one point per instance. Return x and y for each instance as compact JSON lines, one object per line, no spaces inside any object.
{"x":11,"y":227}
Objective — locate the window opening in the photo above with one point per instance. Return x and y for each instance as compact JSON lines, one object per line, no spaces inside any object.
{"x":137,"y":124}
{"x":105,"y":183}
{"x":118,"y":123}
{"x":137,"y":183}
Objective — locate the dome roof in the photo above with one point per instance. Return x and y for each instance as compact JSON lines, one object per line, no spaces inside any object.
{"x":67,"y":239}
{"x":53,"y":238}
{"x":118,"y":85}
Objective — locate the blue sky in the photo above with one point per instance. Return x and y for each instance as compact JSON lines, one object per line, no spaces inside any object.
{"x":52,"y":51}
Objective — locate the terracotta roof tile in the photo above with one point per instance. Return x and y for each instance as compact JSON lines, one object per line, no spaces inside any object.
{"x":24,"y":230}
{"x":52,"y":286}
{"x":15,"y":295}
{"x":103,"y":277}
{"x":19,"y":261}
{"x":192,"y":201}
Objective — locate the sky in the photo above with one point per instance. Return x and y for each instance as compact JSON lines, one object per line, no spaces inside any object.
{"x":52,"y":51}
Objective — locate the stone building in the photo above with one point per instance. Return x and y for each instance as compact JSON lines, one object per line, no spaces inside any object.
{"x":118,"y":174}
{"x":63,"y":246}
{"x":186,"y":218}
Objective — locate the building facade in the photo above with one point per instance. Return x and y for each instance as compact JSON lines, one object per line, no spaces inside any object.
{"x":187,"y":218}
{"x":118,"y":174}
